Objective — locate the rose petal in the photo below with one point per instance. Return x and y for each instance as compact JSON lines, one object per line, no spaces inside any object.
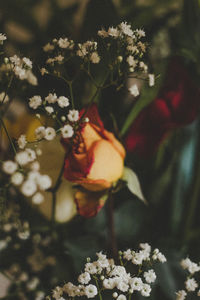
{"x":93,"y":115}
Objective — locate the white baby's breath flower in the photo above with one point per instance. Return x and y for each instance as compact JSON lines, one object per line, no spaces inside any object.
{"x":48,"y":47}
{"x":49,"y":109}
{"x":59,"y":58}
{"x":189,"y":265}
{"x":150,"y":276}
{"x":191,"y":284}
{"x":50,"y":133}
{"x":63,"y":101}
{"x":128,"y":254}
{"x":126,"y":29}
{"x":109,"y":283}
{"x":121,"y":297}
{"x":84,"y":278}
{"x":134,"y":90}
{"x":181,"y":295}
{"x":102,"y":33}
{"x":3,"y":97}
{"x":43,"y":71}
{"x":67,"y":131}
{"x":33,"y":175}
{"x":17,"y":178}
{"x":40,"y":132}
{"x":31,"y":154}
{"x":63,"y":43}
{"x":22,"y":141}
{"x":143,"y":66}
{"x":15,"y":60}
{"x":136,"y":284}
{"x":9,"y":166}
{"x":22,"y":158}
{"x":161,"y":258}
{"x":122,"y":286}
{"x":115,"y":295}
{"x":140,"y":33}
{"x":131,"y":61}
{"x":146,"y":247}
{"x":138,"y":257}
{"x":146,"y":290}
{"x":20,"y":72}
{"x":73,"y":115}
{"x":2,"y":38}
{"x":91,"y":291}
{"x":44,"y":182}
{"x":57,"y":292}
{"x":35,"y":101}
{"x":38,"y":198}
{"x":114,"y":32}
{"x":151,"y":79}
{"x":51,"y":98}
{"x":94,"y":58}
{"x":91,"y":268}
{"x":35,"y":166}
{"x":27,"y":62}
{"x":28,"y":188}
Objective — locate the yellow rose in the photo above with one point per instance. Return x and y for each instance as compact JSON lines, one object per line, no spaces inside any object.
{"x":95,"y":162}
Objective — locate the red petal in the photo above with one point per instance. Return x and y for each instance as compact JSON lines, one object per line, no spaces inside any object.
{"x":92,"y":113}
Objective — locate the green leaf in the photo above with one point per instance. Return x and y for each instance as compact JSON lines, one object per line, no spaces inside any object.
{"x":133,"y":183}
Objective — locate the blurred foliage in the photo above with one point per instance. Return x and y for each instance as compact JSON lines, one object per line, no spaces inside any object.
{"x":170,"y":179}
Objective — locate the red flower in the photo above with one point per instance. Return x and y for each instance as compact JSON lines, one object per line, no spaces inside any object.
{"x":177,"y":105}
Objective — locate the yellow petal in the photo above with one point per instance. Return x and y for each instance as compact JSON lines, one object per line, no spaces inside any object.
{"x":108,"y":163}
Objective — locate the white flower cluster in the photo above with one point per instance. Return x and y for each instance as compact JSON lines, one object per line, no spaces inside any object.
{"x":24,"y":174}
{"x":89,"y":50}
{"x":134,"y":48}
{"x":103,"y":274}
{"x":132,"y":51}
{"x":61,"y":44}
{"x":48,"y":104}
{"x":2,"y":38}
{"x":191,"y":284}
{"x":22,"y":68}
{"x":36,"y":101}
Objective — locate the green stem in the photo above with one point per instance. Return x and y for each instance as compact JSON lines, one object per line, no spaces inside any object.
{"x":99,"y":292}
{"x":9,"y":138}
{"x":130,"y":296}
{"x":54,"y":191}
{"x":71,"y":93}
{"x":193,"y":204}
{"x":111,"y":228}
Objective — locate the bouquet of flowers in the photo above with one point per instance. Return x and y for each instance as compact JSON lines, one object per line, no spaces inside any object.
{"x":84,"y":168}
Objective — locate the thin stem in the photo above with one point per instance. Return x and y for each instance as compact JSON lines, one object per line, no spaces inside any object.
{"x":9,"y":138}
{"x":130,"y":296}
{"x":71,"y":93}
{"x":54,"y":191}
{"x":111,"y":228}
{"x":9,"y":85}
{"x":99,"y":291}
